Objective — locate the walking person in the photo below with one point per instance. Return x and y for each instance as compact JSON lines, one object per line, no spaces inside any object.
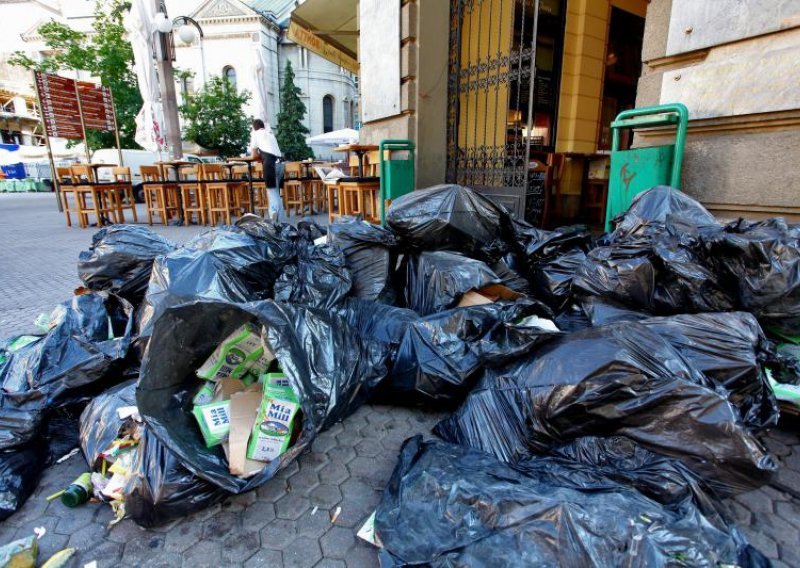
{"x":264,"y":145}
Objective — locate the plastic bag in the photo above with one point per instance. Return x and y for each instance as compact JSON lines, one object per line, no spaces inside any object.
{"x":20,"y":471}
{"x":226,"y":264}
{"x":621,"y":273}
{"x":319,"y":279}
{"x":760,"y":263}
{"x":452,"y":217}
{"x":329,"y":366}
{"x":159,"y":488}
{"x":447,"y":505}
{"x":81,"y":354}
{"x":436,"y":281}
{"x":369,"y":251}
{"x":440,"y":356}
{"x":120,"y":260}
{"x":621,"y":379}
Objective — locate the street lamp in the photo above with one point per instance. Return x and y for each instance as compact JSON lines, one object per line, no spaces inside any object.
{"x":187,"y":35}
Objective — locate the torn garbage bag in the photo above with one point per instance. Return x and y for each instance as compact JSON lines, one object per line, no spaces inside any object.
{"x":370,"y":253}
{"x":158,"y":489}
{"x":760,"y":262}
{"x":440,"y":356}
{"x":226,"y":264}
{"x":621,"y":379}
{"x":319,"y":279}
{"x":452,"y":217}
{"x":436,"y":281}
{"x":448,"y":505}
{"x":81,"y":354}
{"x":329,"y":367}
{"x":120,"y":260}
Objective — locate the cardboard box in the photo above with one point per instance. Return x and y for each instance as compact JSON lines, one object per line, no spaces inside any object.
{"x":241,"y":351}
{"x":244,"y":409}
{"x":488,"y":295}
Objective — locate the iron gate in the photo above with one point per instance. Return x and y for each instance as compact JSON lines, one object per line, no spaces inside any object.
{"x":491,"y":111}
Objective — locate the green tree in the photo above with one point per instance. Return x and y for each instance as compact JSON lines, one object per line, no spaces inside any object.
{"x":215,"y":117}
{"x":105,"y":54}
{"x":291,"y":132}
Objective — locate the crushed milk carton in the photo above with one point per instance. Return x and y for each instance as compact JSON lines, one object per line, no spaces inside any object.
{"x":214,"y":420}
{"x":274,"y":379}
{"x":241,"y":351}
{"x":272,"y":430}
{"x":205,"y":395}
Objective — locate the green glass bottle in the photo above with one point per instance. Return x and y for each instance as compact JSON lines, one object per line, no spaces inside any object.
{"x":78,"y":491}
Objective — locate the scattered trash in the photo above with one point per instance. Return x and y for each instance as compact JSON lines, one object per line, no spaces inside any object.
{"x":39,"y":532}
{"x":79,"y":491}
{"x":60,"y":559}
{"x":22,"y":553}
{"x":367,"y":532}
{"x":335,"y":515}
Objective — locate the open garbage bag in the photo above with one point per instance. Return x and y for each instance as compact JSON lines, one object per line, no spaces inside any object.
{"x":439,"y":356}
{"x":318,"y":279}
{"x":81,"y":354}
{"x":622,"y":379}
{"x":448,"y":505}
{"x":227,"y":263}
{"x":329,"y":366}
{"x":159,"y":489}
{"x":436,"y":281}
{"x":760,"y":263}
{"x":454,"y":218}
{"x":120,"y":260}
{"x":370,"y":253}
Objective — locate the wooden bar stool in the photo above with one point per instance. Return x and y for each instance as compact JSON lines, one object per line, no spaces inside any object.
{"x":123,"y":193}
{"x":160,"y":196}
{"x":192,"y":195}
{"x":92,"y":198}
{"x":67,"y":188}
{"x":260,"y":194}
{"x":359,"y":195}
{"x":240,"y":190}
{"x":334,"y":195}
{"x":294,"y":196}
{"x":218,"y":195}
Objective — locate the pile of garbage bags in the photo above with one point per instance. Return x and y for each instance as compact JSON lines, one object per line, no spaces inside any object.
{"x":605,"y":392}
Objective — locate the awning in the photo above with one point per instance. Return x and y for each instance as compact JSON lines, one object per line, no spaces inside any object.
{"x":329,"y":29}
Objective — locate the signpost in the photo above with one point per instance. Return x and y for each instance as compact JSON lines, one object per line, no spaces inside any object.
{"x":69,"y":107}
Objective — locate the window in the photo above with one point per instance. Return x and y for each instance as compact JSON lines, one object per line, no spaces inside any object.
{"x":230,"y":74}
{"x":327,"y":113}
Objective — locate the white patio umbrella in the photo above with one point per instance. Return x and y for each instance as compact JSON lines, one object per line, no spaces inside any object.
{"x":140,"y":25}
{"x":261,"y":69}
{"x":335,"y":138}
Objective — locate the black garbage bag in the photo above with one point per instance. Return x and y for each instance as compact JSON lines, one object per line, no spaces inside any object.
{"x":370,"y":254}
{"x":20,"y":471}
{"x":622,"y":273}
{"x":658,"y":209}
{"x":448,"y":505}
{"x":120,"y":260}
{"x":281,"y":238}
{"x":452,"y":217}
{"x":381,"y":324}
{"x":319,"y":279}
{"x":159,"y":489}
{"x":436,"y":281}
{"x":539,"y":245}
{"x":508,"y":269}
{"x":227,"y":263}
{"x":551,"y":280}
{"x":330,"y":367}
{"x":621,"y":379}
{"x":760,"y":263}
{"x":83,"y":353}
{"x":440,"y":356}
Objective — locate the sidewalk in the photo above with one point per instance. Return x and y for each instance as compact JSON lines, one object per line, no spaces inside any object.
{"x":287,"y":521}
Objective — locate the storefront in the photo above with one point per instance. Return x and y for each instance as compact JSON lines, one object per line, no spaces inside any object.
{"x":512,"y":97}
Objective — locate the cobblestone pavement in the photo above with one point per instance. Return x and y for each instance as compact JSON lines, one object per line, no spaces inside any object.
{"x":287,"y":521}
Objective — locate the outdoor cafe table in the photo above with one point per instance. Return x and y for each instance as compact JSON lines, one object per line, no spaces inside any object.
{"x":249,"y":161}
{"x":176,"y":165}
{"x":360,"y":150}
{"x":96,"y":167}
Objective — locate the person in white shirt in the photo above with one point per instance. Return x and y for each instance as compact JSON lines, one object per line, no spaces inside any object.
{"x":264,"y":145}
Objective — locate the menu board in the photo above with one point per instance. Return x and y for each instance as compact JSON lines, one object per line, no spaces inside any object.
{"x":61,"y":112}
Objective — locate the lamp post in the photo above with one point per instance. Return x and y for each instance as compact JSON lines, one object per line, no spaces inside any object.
{"x":164,"y":56}
{"x":187,"y":35}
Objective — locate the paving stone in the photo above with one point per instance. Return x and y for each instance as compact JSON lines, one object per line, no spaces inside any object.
{"x":272,"y":490}
{"x":77,"y":518}
{"x":240,"y":502}
{"x":204,"y":553}
{"x":741,"y":515}
{"x":763,"y":543}
{"x":324,"y":442}
{"x":50,"y":544}
{"x":755,"y":501}
{"x":277,"y":534}
{"x":88,"y":537}
{"x":221,"y":525}
{"x":325,"y":496}
{"x":789,"y":512}
{"x":330,"y":563}
{"x":369,"y":448}
{"x":314,"y":525}
{"x":288,"y":471}
{"x":788,"y":478}
{"x":164,"y":559}
{"x":258,"y":514}
{"x":240,"y":546}
{"x":774,"y":494}
{"x":26,"y":529}
{"x":358,"y":502}
{"x":138,"y":551}
{"x":124,"y":531}
{"x":105,"y":553}
{"x":33,"y":509}
{"x":789,"y":553}
{"x":303,"y":481}
{"x":342,"y":454}
{"x":302,"y":553}
{"x":337,"y":542}
{"x":371,"y":471}
{"x":292,"y":506}
{"x":265,"y":559}
{"x":350,"y":436}
{"x":776,"y":528}
{"x":362,"y":555}
{"x":333,"y":473}
{"x":777,"y":447}
{"x":184,"y":535}
{"x":313,"y":461}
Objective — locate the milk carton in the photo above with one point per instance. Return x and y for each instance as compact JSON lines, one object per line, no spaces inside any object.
{"x":214,"y":420}
{"x":272,"y":430}
{"x":274,"y":380}
{"x":241,"y":351}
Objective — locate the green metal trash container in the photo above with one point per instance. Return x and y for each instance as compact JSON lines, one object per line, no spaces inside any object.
{"x":638,"y":169}
{"x":397,"y":173}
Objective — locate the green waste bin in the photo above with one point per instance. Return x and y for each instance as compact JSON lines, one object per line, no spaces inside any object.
{"x":638,"y":169}
{"x":397,"y":172}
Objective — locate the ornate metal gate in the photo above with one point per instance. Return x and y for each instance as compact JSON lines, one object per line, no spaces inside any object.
{"x":490,"y":100}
